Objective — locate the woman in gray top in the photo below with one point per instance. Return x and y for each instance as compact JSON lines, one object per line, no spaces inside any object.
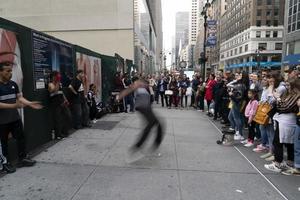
{"x":143,"y":106}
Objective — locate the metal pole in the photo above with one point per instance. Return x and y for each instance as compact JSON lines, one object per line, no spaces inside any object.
{"x":204,"y":46}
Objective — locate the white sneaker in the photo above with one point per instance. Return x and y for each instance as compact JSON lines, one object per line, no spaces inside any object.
{"x":242,"y":138}
{"x":273,"y":167}
{"x":94,"y":121}
{"x":267,"y":155}
{"x":231,"y":129}
{"x":244,"y":141}
{"x":237,"y":137}
{"x":249,"y":144}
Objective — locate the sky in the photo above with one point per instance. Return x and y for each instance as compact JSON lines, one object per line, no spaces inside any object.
{"x":169,"y":9}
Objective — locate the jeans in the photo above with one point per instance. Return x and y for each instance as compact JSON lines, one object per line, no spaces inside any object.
{"x":235,"y":118}
{"x":16,"y":129}
{"x":129,"y":101}
{"x":267,"y":135}
{"x":297,"y":148}
{"x":152,"y":121}
{"x":231,"y":119}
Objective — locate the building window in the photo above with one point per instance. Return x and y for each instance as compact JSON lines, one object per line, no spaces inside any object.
{"x":276,"y":12}
{"x":258,"y":12}
{"x":268,"y":22}
{"x":241,"y":49}
{"x":269,"y":2}
{"x":268,"y":13}
{"x":275,"y":34}
{"x":259,"y":2}
{"x":278,"y":46}
{"x":235,"y":51}
{"x":268,"y":34}
{"x":275,"y":23}
{"x":258,"y":23}
{"x":258,"y":34}
{"x":246,"y":47}
{"x":262,"y":46}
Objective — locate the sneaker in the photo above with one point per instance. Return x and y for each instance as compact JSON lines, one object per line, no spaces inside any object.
{"x":237,"y":137}
{"x":249,"y":144}
{"x":94,"y":121}
{"x":244,"y":141}
{"x":26,"y":162}
{"x":260,"y":148}
{"x":271,"y":158}
{"x":273,"y":167}
{"x":267,"y":155}
{"x":8,"y":168}
{"x":285,"y":166}
{"x":292,"y":171}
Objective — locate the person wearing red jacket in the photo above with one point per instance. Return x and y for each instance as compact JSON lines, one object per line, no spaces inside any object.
{"x":209,"y":89}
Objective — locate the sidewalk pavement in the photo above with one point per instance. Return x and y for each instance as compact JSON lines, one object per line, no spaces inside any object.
{"x":92,"y":164}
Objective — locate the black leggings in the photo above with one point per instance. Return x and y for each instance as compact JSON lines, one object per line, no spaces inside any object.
{"x":152,"y":121}
{"x":278,"y":147}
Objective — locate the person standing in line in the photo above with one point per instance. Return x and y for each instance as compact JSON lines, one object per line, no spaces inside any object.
{"x":162,"y":87}
{"x":209,"y":90}
{"x":79,"y":106}
{"x":143,"y":106}
{"x":91,"y":101}
{"x":61,"y":116}
{"x":10,"y":121}
{"x":250,"y":112}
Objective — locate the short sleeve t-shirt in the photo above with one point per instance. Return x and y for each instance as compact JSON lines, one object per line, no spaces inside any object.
{"x":8,"y":94}
{"x":78,"y":87}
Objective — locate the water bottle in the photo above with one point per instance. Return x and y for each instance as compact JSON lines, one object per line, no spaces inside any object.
{"x":53,"y":134}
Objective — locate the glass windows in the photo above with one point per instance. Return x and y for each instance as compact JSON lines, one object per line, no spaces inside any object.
{"x":268,"y":34}
{"x":278,"y":46}
{"x":275,"y":34}
{"x":262,"y":46}
{"x":258,"y":34}
{"x":258,"y":23}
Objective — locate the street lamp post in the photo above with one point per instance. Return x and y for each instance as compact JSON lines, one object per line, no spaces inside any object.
{"x":204,"y":14}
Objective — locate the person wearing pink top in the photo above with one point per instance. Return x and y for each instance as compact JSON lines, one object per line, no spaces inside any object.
{"x":250,"y":113}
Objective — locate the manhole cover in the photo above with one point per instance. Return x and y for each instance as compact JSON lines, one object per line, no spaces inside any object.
{"x":105,"y":125}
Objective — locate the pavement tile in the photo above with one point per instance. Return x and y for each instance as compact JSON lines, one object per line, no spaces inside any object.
{"x":76,"y":151}
{"x":44,"y":181}
{"x":225,"y":186}
{"x":109,"y":183}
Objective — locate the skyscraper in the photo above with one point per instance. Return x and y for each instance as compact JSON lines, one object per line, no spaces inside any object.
{"x":194,"y":19}
{"x":181,"y":29}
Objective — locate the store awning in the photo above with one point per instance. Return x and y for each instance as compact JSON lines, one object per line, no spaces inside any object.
{"x":248,"y":64}
{"x":292,"y":59}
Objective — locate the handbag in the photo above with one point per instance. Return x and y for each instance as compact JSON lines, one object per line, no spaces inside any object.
{"x":189,"y":91}
{"x":169,"y":92}
{"x":261,"y":117}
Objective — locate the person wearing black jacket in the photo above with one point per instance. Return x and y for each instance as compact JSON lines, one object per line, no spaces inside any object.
{"x":218,"y":92}
{"x":162,"y":86}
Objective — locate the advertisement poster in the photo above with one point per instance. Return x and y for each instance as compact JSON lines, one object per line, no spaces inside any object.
{"x":92,"y":69}
{"x":9,"y":44}
{"x":50,"y":54}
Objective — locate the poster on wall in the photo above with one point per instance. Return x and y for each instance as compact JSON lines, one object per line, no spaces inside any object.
{"x":50,"y":54}
{"x":10,"y":45}
{"x":92,"y":69}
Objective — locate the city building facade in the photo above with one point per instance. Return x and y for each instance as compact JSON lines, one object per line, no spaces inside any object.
{"x":181,"y":33}
{"x":291,"y":51}
{"x":99,"y":25}
{"x":252,"y":34}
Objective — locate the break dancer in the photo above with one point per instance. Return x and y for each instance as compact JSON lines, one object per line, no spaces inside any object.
{"x":143,"y":106}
